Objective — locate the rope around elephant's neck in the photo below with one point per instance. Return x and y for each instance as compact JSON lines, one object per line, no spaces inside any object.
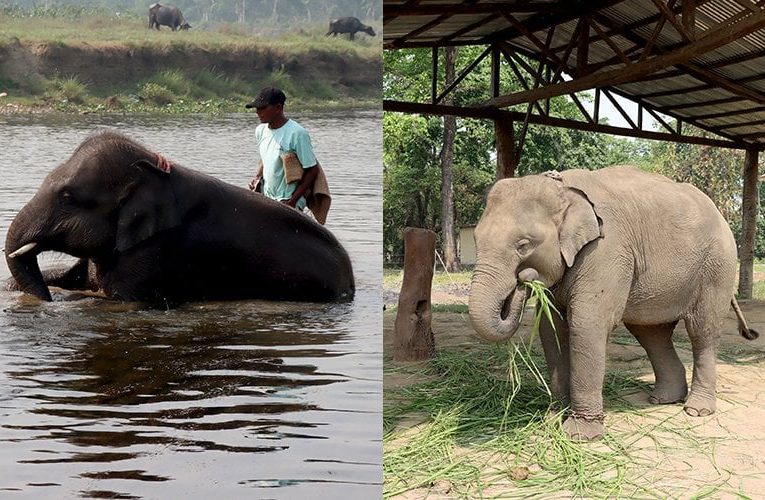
{"x":163,"y":163}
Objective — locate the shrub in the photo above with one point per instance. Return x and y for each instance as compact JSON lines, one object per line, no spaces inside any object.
{"x":173,"y":80}
{"x":157,"y":94}
{"x":69,"y":89}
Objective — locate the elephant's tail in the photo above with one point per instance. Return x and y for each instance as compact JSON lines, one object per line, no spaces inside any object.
{"x":743,"y":328}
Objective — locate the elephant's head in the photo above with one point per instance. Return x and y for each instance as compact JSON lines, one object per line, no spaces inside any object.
{"x":110,"y":195}
{"x":532,"y":228}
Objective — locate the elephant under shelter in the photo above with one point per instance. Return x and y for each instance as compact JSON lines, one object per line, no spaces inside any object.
{"x":616,"y":245}
{"x":149,"y":230}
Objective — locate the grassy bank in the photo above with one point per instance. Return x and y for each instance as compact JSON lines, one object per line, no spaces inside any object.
{"x":94,"y":63}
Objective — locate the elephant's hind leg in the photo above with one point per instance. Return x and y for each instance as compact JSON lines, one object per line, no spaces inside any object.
{"x":671,"y":386}
{"x":702,"y":329}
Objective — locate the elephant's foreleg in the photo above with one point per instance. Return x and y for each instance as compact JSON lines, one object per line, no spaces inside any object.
{"x":587,"y":352}
{"x":81,"y":276}
{"x":555,"y":346}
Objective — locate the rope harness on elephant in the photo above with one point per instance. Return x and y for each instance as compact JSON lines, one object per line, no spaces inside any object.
{"x":588,"y":417}
{"x":163,"y":163}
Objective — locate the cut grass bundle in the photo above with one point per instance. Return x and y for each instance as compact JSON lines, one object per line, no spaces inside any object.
{"x":489,"y":412}
{"x":485,"y":427}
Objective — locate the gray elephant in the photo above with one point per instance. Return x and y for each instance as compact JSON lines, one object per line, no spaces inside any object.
{"x":350,"y":25}
{"x":167,"y":15}
{"x":616,"y":244}
{"x":152,"y":231}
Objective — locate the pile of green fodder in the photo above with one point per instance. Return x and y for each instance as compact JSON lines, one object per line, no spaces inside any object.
{"x":480,"y":422}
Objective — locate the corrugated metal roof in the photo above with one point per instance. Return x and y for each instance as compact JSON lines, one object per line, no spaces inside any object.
{"x":720,"y":87}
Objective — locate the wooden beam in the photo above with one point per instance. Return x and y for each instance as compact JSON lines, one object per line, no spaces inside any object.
{"x":495,"y":70}
{"x":493,"y":113}
{"x":506,"y":154}
{"x":434,"y":74}
{"x":463,"y":74}
{"x":689,"y":17}
{"x":670,"y":16}
{"x":434,"y":9}
{"x":401,"y":41}
{"x":712,"y":39}
{"x":467,"y":29}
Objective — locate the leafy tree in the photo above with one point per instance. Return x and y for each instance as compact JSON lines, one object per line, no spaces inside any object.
{"x":715,"y":171}
{"x":411,"y":177}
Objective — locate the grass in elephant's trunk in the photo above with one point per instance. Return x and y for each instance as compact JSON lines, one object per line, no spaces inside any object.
{"x":543,"y":298}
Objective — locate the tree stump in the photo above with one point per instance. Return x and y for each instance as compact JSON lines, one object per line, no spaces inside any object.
{"x":412,"y":335}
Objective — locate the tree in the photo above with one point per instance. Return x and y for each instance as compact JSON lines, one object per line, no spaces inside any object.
{"x":451,"y":260}
{"x":411,"y":173}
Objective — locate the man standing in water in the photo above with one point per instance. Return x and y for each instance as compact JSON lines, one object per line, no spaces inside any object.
{"x":280,"y":140}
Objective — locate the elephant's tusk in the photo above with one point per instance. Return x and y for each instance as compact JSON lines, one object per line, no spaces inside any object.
{"x":22,"y":250}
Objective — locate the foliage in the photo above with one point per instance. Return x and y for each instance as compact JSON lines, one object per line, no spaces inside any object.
{"x":714,"y":171}
{"x":68,"y":89}
{"x":157,"y":94}
{"x":411,"y":175}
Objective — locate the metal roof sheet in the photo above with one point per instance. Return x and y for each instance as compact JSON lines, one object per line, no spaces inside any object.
{"x":718,"y":84}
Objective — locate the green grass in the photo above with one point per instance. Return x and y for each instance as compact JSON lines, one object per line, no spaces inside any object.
{"x":497,"y":412}
{"x":68,"y":89}
{"x":99,"y":30}
{"x":196,"y":89}
{"x":482,"y":424}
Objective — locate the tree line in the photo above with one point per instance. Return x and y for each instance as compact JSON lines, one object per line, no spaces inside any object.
{"x":414,"y":167}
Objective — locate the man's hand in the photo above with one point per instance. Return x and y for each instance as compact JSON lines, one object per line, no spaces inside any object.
{"x":256,"y":178}
{"x":292,"y":202}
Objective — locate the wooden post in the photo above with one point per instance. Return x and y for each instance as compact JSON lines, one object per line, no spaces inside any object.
{"x":503,"y":130}
{"x":412,"y":336}
{"x":749,"y":206}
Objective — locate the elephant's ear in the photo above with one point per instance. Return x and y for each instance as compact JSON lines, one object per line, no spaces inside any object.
{"x":580,"y":224}
{"x":148,"y":206}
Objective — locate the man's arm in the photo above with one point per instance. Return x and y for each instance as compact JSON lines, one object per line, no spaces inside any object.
{"x":258,"y":175}
{"x":305,"y":183}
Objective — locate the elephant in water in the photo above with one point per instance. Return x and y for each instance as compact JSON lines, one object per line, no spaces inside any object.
{"x":350,"y":25}
{"x":617,"y":244}
{"x":149,"y":230}
{"x":167,"y":15}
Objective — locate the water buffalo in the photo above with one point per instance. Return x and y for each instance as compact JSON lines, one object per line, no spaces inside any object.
{"x":349,"y":25}
{"x":168,"y":15}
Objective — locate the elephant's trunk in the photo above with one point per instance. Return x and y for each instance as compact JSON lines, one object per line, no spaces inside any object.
{"x":496,"y":304}
{"x":21,"y":256}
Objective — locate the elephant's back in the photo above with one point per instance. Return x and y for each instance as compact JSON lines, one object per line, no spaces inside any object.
{"x":633,"y":191}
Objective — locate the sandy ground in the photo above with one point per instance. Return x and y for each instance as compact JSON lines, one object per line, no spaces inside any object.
{"x":732,"y":440}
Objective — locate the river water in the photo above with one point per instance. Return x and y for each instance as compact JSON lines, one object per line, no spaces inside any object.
{"x":249,"y":399}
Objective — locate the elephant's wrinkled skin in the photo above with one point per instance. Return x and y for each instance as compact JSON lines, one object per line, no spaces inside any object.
{"x":167,"y":15}
{"x":350,"y":25}
{"x":614,"y":245}
{"x":168,"y":234}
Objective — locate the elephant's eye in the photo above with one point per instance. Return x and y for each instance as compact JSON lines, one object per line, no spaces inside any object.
{"x":523,"y":247}
{"x":65,"y":196}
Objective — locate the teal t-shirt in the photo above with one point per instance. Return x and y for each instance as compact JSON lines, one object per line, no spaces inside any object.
{"x":272,"y":143}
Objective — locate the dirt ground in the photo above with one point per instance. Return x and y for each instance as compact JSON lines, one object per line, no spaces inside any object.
{"x":733,"y":438}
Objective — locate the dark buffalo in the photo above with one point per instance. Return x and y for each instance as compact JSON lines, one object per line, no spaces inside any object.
{"x":168,"y":15}
{"x":349,"y":25}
